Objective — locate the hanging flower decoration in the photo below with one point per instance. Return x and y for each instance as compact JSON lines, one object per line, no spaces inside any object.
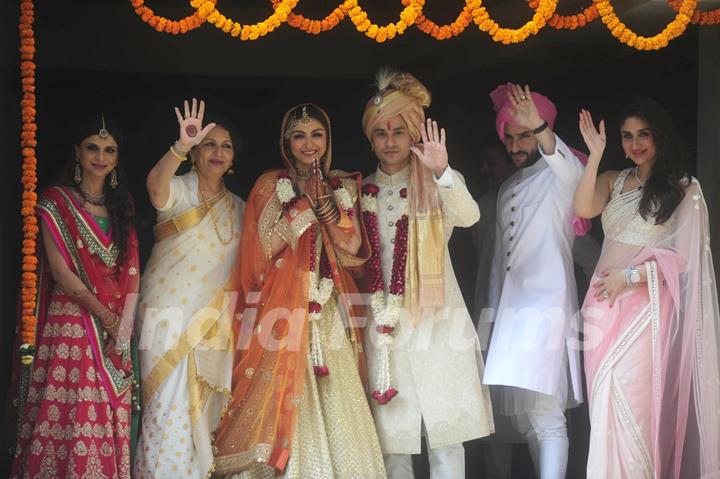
{"x":315,"y":26}
{"x":360,"y":18}
{"x":569,"y":22}
{"x":207,"y":10}
{"x":342,"y":195}
{"x":285,"y":191}
{"x":625,"y":35}
{"x":163,"y":24}
{"x":711,"y":17}
{"x":412,"y":14}
{"x":320,"y":290}
{"x":386,"y":309}
{"x":444,"y":32}
{"x":506,"y":36}
{"x":28,"y":142}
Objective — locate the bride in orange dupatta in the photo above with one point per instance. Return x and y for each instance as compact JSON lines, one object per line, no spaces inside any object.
{"x":298,"y":406}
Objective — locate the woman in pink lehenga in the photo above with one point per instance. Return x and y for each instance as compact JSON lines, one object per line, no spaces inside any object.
{"x":651,"y":317}
{"x":75,"y":413}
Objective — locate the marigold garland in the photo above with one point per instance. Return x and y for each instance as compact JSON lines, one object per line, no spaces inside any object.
{"x":569,"y":22}
{"x":625,"y":35}
{"x":444,"y":32}
{"x":28,"y":142}
{"x":315,"y":26}
{"x":163,"y":24}
{"x":207,"y":10}
{"x":545,"y":10}
{"x":363,"y":24}
{"x":711,"y":17}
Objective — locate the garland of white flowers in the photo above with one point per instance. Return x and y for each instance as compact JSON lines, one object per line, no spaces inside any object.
{"x":321,"y":285}
{"x":386,"y":308}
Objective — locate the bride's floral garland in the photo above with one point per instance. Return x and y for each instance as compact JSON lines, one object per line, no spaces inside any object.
{"x":386,"y":310}
{"x":320,"y":286}
{"x":319,"y":292}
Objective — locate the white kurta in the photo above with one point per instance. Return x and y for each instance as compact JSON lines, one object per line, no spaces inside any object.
{"x":532,"y":285}
{"x":435,"y":364}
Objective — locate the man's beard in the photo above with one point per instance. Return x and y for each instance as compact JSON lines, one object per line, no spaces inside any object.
{"x":532,"y":158}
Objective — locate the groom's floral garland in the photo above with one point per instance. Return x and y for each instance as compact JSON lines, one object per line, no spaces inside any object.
{"x":386,"y":310}
{"x":320,"y":286}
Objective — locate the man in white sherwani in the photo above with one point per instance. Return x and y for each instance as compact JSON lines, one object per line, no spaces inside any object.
{"x":423,"y":354}
{"x":533,"y":350}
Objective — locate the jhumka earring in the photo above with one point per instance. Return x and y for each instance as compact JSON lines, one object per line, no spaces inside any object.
{"x":230,"y":170}
{"x":78,"y":172}
{"x":113,"y":179}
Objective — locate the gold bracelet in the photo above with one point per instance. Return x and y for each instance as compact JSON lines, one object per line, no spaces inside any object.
{"x":114,"y":323}
{"x":176,"y":154}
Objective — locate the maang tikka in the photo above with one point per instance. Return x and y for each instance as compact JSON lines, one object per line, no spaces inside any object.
{"x":303,"y":119}
{"x":103,"y":133}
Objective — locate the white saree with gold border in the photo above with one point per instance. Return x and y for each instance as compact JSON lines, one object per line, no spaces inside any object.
{"x":185,"y":344}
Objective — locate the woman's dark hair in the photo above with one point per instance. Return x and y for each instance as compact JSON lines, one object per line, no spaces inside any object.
{"x":296,"y":113}
{"x":117,"y":200}
{"x":665,"y":188}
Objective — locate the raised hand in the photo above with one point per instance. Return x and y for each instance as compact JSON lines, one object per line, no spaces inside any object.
{"x":594,"y":139}
{"x":191,"y":129}
{"x":523,"y":111}
{"x":433,"y":153}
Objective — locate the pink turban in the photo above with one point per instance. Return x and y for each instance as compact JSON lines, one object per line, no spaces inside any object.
{"x":548,"y":112}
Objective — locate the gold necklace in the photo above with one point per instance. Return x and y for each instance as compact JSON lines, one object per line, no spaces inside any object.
{"x":213,"y":220}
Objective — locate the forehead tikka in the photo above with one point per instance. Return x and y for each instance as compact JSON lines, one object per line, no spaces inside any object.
{"x":103,"y":133}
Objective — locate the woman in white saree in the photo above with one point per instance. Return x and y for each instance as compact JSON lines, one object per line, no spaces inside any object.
{"x":185,"y":346}
{"x":651,"y":318}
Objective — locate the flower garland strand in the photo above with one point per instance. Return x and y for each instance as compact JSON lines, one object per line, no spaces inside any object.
{"x":711,"y":17}
{"x":625,"y":35}
{"x":342,"y":195}
{"x":412,"y":14}
{"x":444,"y":32}
{"x":319,"y":292}
{"x":163,"y":24}
{"x":320,"y":286}
{"x":315,"y":27}
{"x":381,"y":33}
{"x":28,"y":142}
{"x":386,"y":310}
{"x":506,"y":36}
{"x":569,"y":22}
{"x":207,"y":10}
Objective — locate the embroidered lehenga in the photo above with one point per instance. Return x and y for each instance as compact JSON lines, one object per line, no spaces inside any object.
{"x":651,"y":359}
{"x":298,"y":406}
{"x":76,"y":419}
{"x":185,"y":330}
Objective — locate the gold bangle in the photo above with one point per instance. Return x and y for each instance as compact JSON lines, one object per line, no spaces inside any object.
{"x":176,"y":154}
{"x":114,"y":323}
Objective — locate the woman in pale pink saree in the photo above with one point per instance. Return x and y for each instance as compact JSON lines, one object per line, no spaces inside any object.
{"x":651,"y":318}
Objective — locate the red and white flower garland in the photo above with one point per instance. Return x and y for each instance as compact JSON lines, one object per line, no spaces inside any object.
{"x":342,"y":195}
{"x":320,"y":287}
{"x":319,"y":292}
{"x":386,"y":309}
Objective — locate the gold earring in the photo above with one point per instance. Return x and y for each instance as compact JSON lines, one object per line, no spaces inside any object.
{"x":113,"y":179}
{"x":78,"y":172}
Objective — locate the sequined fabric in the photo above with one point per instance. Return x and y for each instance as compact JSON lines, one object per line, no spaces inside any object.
{"x":335,"y":435}
{"x":622,"y":221}
{"x":69,"y":428}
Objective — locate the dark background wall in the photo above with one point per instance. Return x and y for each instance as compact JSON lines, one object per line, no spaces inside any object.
{"x":98,"y":56}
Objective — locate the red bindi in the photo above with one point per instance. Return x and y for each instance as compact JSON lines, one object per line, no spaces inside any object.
{"x":389,"y":126}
